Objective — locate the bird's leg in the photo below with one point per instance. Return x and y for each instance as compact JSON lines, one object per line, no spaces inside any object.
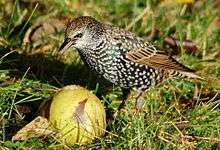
{"x":139,"y":100}
{"x":125,"y":92}
{"x":124,"y":97}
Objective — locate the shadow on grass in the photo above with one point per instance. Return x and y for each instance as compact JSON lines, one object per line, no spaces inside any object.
{"x":47,"y":70}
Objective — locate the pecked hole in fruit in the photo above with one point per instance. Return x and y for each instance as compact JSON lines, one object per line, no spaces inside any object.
{"x":79,"y":113}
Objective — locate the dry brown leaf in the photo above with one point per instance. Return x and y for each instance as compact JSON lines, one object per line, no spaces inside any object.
{"x":41,"y":50}
{"x":176,"y":44}
{"x":39,"y":127}
{"x":26,"y":39}
{"x":42,"y":36}
{"x":184,"y":104}
{"x":48,"y":27}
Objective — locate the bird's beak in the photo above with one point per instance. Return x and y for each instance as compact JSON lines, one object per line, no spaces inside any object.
{"x":66,"y":44}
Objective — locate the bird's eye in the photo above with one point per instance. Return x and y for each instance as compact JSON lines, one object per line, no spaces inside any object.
{"x":79,"y":35}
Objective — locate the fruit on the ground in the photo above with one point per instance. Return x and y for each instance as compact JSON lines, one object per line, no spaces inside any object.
{"x":78,"y":115}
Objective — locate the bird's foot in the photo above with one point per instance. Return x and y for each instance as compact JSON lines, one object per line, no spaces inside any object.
{"x":114,"y":115}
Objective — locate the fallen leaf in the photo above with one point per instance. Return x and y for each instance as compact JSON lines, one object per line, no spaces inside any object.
{"x":185,"y":103}
{"x":176,"y":44}
{"x":42,"y":36}
{"x":47,"y":28}
{"x":39,"y":127}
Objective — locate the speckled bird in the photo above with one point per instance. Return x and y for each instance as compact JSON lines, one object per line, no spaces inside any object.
{"x":121,"y":57}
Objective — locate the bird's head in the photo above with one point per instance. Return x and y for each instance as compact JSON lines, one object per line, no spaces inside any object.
{"x":82,"y":33}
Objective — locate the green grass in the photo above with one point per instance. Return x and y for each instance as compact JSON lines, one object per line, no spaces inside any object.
{"x":177,"y":114}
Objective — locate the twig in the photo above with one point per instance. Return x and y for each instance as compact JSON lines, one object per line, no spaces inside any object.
{"x":201,"y":138}
{"x":160,"y":137}
{"x":177,"y":129}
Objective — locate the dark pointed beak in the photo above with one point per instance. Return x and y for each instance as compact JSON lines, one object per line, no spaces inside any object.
{"x":66,"y":44}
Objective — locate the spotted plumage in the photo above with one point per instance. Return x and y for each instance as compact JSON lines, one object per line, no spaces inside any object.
{"x":120,"y":56}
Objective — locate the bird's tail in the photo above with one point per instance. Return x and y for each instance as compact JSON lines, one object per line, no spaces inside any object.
{"x":185,"y":74}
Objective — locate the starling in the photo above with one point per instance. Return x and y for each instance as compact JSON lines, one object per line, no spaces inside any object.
{"x":121,"y":57}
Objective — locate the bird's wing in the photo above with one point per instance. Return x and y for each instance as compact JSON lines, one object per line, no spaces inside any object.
{"x":155,"y":58}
